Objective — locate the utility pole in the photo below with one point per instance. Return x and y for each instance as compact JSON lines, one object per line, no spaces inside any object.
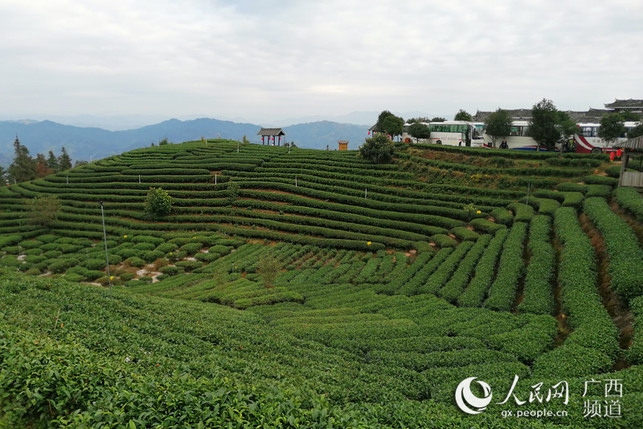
{"x":109,"y":275}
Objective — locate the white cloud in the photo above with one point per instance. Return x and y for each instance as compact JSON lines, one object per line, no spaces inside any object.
{"x":268,"y":59}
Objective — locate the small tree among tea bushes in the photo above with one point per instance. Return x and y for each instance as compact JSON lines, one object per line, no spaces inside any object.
{"x":158,"y":202}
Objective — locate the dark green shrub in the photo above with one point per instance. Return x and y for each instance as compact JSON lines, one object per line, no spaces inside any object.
{"x":167,"y":247}
{"x":127,"y":253}
{"x":486,"y":226}
{"x":464,"y":234}
{"x":94,"y":264}
{"x":630,"y":200}
{"x":502,"y":216}
{"x":572,"y":187}
{"x":191,"y":248}
{"x":171,"y":270}
{"x":602,"y":191}
{"x":144,"y":246}
{"x":189,"y":265}
{"x":135,"y":261}
{"x":10,"y":261}
{"x":207,"y":257}
{"x":74,"y":278}
{"x":443,"y":240}
{"x":47,"y":238}
{"x":158,"y":202}
{"x":601,"y":180}
{"x":30,"y":244}
{"x":152,"y":255}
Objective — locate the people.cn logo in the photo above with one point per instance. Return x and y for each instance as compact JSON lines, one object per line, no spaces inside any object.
{"x":467,"y":401}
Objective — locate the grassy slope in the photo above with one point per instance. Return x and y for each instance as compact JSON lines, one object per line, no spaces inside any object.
{"x":361,"y":339}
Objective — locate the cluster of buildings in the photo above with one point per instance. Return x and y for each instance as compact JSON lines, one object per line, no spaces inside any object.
{"x":589,"y":116}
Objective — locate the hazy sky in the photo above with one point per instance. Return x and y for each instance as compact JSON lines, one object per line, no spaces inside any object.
{"x":265,"y":60}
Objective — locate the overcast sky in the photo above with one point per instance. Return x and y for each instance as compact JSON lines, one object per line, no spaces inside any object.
{"x":267,"y":60}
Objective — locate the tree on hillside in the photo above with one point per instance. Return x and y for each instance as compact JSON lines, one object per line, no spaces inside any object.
{"x":52,"y":161}
{"x":42,"y":169}
{"x":390,"y":124}
{"x":548,"y":125}
{"x":378,"y":149}
{"x":380,"y":120}
{"x":158,"y":202}
{"x":418,"y":119}
{"x":2,"y":176}
{"x":393,"y":126}
{"x":498,"y":125}
{"x":269,"y":268}
{"x":43,"y":210}
{"x":635,"y":132}
{"x":418,"y":131}
{"x":463,"y":115}
{"x":23,"y":167}
{"x":64,"y":161}
{"x":438,"y":119}
{"x":612,"y":127}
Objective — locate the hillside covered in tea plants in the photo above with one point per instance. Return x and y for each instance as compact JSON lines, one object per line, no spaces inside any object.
{"x":302,"y":288}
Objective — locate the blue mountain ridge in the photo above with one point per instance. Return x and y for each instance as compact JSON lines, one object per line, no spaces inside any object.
{"x":90,"y":143}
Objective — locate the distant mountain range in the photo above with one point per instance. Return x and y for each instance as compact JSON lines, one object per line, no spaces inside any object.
{"x":90,"y":143}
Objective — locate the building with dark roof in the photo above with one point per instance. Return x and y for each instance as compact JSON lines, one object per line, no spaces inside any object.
{"x":631,"y":105}
{"x":589,"y":116}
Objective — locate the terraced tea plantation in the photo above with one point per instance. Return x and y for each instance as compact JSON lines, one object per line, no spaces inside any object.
{"x":302,"y":288}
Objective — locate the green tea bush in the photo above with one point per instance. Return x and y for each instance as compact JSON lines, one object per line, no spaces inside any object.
{"x":171,"y":270}
{"x":152,"y":255}
{"x":167,"y":247}
{"x":635,"y":353}
{"x":35,"y":251}
{"x":94,"y":264}
{"x":522,"y":212}
{"x":144,"y":246}
{"x":486,"y":226}
{"x":600,"y":180}
{"x":189,"y":265}
{"x":127,"y":253}
{"x":625,"y":255}
{"x":30,"y":244}
{"x":12,"y":250}
{"x":602,"y":191}
{"x":47,"y":238}
{"x":462,"y":275}
{"x":464,"y":234}
{"x":502,"y":292}
{"x":475,"y":292}
{"x":443,"y":240}
{"x":135,"y":261}
{"x":10,"y":261}
{"x":191,"y":248}
{"x":148,"y":239}
{"x":61,"y":265}
{"x":502,"y":216}
{"x":538,"y":290}
{"x":207,"y":257}
{"x":572,"y":187}
{"x":630,"y":199}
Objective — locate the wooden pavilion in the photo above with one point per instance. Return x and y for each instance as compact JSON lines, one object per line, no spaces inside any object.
{"x":271,"y":136}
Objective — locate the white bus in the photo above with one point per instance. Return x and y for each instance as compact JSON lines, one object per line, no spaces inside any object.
{"x":518,"y":138}
{"x":450,"y":133}
{"x":588,"y":141}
